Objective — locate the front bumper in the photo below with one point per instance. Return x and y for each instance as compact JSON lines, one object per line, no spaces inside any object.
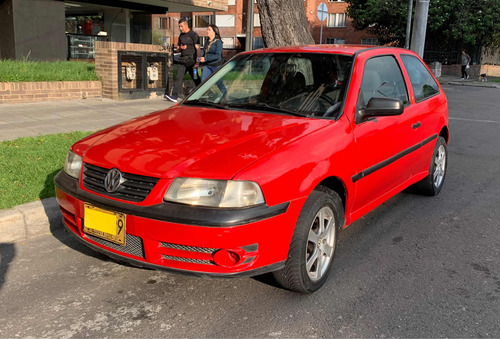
{"x":186,"y":239}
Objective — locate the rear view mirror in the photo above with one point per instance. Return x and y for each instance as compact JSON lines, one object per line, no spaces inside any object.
{"x":381,"y":107}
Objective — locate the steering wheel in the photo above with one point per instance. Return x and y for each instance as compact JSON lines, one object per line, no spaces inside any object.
{"x":327,"y":99}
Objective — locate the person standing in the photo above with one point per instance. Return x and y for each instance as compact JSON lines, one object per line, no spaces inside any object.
{"x":189,"y":46}
{"x":465,"y":64}
{"x":213,"y":52}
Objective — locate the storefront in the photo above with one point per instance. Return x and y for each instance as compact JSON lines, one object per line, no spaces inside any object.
{"x":57,"y":29}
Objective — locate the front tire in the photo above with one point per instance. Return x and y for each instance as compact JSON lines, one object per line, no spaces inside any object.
{"x":312,"y":248}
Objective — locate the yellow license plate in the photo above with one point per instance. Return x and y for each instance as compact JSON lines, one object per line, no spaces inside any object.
{"x":104,"y":224}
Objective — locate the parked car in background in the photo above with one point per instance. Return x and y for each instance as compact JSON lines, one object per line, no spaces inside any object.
{"x":258,"y":169}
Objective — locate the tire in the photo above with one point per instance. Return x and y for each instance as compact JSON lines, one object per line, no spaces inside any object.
{"x":312,"y":248}
{"x":432,"y":184}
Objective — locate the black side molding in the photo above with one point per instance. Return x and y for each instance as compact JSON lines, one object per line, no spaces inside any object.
{"x":389,"y":161}
{"x":172,"y":212}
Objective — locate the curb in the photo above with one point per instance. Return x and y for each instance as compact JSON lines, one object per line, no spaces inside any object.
{"x":456,"y":83}
{"x":29,"y":220}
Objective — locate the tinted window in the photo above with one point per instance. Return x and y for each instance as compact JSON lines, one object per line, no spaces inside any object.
{"x":382,"y":78}
{"x":422,"y":82}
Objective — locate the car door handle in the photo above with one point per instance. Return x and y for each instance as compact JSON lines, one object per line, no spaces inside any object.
{"x":416,"y":125}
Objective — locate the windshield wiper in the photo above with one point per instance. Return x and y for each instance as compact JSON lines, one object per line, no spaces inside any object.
{"x":206,"y":103}
{"x":267,"y":107}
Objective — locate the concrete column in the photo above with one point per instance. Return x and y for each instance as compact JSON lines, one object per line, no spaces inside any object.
{"x":420,"y":27}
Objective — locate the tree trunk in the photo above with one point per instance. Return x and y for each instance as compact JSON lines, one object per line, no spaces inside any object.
{"x":284,"y":23}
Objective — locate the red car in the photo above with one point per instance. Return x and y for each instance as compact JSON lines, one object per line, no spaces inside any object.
{"x":259,"y":167}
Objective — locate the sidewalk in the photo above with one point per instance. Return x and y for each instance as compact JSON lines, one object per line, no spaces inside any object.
{"x":32,"y":119}
{"x":472,"y":81}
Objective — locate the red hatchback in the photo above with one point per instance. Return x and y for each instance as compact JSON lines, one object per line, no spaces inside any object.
{"x":262,"y":164}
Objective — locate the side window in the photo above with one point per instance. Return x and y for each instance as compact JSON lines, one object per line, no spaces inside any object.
{"x":422,"y":82}
{"x":382,"y":78}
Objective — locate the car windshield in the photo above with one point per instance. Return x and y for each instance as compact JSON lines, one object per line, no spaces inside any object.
{"x":302,"y":84}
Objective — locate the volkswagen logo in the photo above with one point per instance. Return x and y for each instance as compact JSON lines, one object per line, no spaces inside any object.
{"x":113,"y":180}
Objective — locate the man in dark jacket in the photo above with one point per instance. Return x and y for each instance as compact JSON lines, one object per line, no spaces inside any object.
{"x":189,"y":46}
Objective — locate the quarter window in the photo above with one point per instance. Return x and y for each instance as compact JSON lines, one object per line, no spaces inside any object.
{"x":382,"y":78}
{"x":422,"y":82}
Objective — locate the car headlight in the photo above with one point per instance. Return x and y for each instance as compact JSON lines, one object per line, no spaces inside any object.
{"x":73,"y":165}
{"x":214,"y":193}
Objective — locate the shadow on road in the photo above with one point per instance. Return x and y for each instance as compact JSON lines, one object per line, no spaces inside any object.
{"x":7,"y":255}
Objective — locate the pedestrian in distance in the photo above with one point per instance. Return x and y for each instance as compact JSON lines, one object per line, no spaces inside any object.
{"x":465,"y":64}
{"x":213,"y":52}
{"x":189,"y":47}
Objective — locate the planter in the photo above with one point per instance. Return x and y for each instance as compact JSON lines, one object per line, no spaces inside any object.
{"x":22,"y":92}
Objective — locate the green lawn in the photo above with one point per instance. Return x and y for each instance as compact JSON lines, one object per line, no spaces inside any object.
{"x":28,"y":166}
{"x":30,"y":71}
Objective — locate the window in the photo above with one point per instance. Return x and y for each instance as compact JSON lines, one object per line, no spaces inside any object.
{"x":336,"y":20}
{"x":369,"y":41}
{"x":163,"y":23}
{"x":338,"y":41}
{"x":228,"y":43}
{"x":382,"y":78}
{"x":335,"y":0}
{"x":256,"y":20}
{"x":202,"y":20}
{"x":203,"y":41}
{"x":258,"y":42}
{"x":225,"y":20}
{"x":422,"y":82}
{"x":231,"y":2}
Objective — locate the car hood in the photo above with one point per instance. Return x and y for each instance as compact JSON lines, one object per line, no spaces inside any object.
{"x":193,"y":142}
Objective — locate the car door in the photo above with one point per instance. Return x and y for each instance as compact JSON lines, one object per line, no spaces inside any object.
{"x":382,"y":143}
{"x":430,"y":105}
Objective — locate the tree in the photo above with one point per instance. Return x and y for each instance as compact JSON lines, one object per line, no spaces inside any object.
{"x":284,"y":22}
{"x":450,"y":22}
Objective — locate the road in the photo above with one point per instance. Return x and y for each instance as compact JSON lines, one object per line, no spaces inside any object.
{"x":415,"y":267}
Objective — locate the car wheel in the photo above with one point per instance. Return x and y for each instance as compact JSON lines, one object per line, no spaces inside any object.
{"x":432,"y":184}
{"x":313,"y":242}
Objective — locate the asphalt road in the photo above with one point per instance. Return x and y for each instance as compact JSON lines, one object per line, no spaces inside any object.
{"x":415,"y":267}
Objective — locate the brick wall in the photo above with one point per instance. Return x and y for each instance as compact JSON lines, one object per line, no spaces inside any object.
{"x":106,"y":63}
{"x":19,"y":92}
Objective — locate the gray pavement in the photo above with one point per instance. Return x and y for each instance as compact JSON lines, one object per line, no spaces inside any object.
{"x":32,"y":119}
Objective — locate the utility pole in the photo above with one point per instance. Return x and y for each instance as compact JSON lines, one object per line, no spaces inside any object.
{"x":249,"y":38}
{"x":408,"y":24}
{"x":420,"y":27}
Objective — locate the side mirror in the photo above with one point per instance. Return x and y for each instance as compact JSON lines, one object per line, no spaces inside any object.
{"x":378,"y":107}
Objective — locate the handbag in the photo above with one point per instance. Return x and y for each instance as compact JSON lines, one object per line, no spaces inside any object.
{"x":467,"y":66}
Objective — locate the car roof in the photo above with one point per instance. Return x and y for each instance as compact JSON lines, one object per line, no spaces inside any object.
{"x":336,"y":49}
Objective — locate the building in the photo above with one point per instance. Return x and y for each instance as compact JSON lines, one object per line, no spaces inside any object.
{"x":337,"y":28}
{"x":57,"y":29}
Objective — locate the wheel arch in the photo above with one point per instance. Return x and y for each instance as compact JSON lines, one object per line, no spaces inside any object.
{"x":337,"y":185}
{"x":445,"y":133}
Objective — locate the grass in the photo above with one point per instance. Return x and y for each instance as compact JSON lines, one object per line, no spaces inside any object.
{"x":31,"y":71}
{"x":28,"y":166}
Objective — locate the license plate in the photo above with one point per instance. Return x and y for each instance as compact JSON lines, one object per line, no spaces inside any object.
{"x":104,"y":224}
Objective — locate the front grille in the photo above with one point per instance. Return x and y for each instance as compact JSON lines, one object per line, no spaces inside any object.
{"x":190,"y":248}
{"x":134,"y":187}
{"x":189,"y":260}
{"x":133,"y":245}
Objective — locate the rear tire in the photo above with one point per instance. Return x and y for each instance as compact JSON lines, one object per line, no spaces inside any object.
{"x":312,"y":248}
{"x":432,"y":184}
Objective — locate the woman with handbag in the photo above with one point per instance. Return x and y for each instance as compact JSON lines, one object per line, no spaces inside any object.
{"x":465,"y":64}
{"x":213,"y":52}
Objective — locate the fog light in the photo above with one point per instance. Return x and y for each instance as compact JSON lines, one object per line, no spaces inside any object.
{"x":227,"y":258}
